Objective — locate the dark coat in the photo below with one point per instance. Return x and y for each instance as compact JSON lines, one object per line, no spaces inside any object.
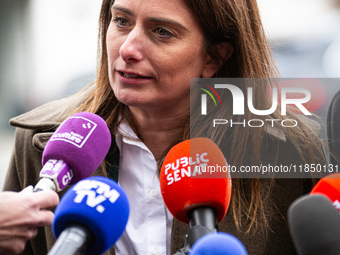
{"x":35,"y":127}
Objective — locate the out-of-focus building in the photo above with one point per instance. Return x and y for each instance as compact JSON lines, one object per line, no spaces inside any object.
{"x":305,"y":36}
{"x":47,"y":50}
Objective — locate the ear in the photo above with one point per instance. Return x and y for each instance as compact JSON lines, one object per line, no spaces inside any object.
{"x":225,"y":49}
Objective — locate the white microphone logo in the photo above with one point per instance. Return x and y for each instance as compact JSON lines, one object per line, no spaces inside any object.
{"x":86,"y":126}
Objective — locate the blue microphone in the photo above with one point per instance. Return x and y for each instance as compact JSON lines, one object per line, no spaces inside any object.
{"x":90,"y":217}
{"x":218,"y":244}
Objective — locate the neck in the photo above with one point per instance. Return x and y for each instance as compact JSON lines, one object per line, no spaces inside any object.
{"x":159,"y":130}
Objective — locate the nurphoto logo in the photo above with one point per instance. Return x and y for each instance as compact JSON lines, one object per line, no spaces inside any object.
{"x":282,"y":98}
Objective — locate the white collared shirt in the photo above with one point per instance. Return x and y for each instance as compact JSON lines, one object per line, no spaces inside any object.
{"x":148,"y":231}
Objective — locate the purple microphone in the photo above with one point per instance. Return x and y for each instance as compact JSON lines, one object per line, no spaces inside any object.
{"x":74,"y":151}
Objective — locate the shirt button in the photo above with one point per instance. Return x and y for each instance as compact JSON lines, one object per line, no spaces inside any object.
{"x":153,"y":192}
{"x":157,"y":251}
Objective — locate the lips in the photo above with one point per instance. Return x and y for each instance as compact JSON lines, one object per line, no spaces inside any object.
{"x":132,"y":75}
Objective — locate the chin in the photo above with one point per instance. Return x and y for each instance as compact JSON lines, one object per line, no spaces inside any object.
{"x":134,"y":101}
{"x":130,"y":102}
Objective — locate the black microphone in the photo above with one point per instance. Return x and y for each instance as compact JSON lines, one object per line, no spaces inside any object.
{"x":314,"y":226}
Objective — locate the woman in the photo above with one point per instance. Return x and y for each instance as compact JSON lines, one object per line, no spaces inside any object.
{"x":148,"y":51}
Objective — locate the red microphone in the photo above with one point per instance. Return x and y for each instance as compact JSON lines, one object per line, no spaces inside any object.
{"x":196,"y":186}
{"x":329,"y":186}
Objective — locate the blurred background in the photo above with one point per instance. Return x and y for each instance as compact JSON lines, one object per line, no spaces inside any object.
{"x":48,"y":50}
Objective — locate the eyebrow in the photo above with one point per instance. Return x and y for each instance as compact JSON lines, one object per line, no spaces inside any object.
{"x":168,"y":21}
{"x":120,"y":8}
{"x":153,"y":19}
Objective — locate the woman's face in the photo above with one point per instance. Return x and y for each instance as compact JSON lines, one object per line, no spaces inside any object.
{"x":154,"y":48}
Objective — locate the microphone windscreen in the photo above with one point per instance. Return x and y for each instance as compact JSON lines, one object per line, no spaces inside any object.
{"x":97,"y":203}
{"x":218,"y":244}
{"x":195,"y":173}
{"x":330,"y":187}
{"x":82,"y":141}
{"x":314,"y":226}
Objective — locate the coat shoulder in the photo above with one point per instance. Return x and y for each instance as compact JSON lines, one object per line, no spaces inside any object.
{"x":49,"y":115}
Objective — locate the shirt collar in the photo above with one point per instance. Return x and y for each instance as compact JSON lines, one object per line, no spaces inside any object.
{"x":126,"y":135}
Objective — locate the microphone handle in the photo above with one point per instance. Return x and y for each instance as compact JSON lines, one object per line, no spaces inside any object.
{"x":74,"y":240}
{"x":45,"y":184}
{"x":202,"y":220}
{"x":182,"y":251}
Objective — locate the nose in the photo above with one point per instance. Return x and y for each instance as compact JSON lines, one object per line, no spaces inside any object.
{"x":131,"y":49}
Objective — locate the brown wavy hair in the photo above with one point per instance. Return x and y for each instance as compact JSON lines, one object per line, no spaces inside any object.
{"x":238,"y":23}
